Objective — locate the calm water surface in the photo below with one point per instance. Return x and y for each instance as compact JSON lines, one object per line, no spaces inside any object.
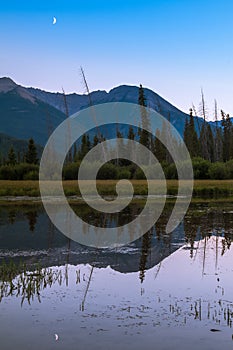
{"x":159,"y":292}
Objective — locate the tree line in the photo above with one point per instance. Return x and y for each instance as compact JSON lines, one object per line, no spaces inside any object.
{"x":210,"y":147}
{"x":20,"y":167}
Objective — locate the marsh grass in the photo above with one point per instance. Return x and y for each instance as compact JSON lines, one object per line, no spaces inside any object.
{"x":202,"y":188}
{"x":16,"y":279}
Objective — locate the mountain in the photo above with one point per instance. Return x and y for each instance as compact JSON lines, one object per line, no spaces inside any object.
{"x":75,"y":102}
{"x":123,"y":93}
{"x":29,"y":112}
{"x":47,"y":250}
{"x":22,"y":115}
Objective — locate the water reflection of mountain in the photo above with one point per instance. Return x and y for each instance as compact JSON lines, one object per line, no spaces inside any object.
{"x":27,"y":234}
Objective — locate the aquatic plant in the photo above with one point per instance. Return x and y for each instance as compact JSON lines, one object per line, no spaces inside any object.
{"x":16,"y":279}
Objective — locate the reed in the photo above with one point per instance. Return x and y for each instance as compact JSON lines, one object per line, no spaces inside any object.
{"x":18,"y":280}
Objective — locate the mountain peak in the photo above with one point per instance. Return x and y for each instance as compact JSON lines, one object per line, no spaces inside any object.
{"x":7,"y":84}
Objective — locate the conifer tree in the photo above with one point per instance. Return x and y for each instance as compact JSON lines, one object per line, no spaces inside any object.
{"x":218,"y":145}
{"x":31,"y":154}
{"x":131,"y":134}
{"x":190,"y":136}
{"x":11,"y":156}
{"x":227,"y":136}
{"x":95,"y":140}
{"x":203,"y":142}
{"x":85,"y":146}
{"x":159,"y":148}
{"x":210,"y":143}
{"x":144,"y":138}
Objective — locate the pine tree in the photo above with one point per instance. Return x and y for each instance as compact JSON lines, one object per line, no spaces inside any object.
{"x":159,"y":148}
{"x":95,"y":140}
{"x":131,"y":134}
{"x":219,"y":145}
{"x":227,"y":136}
{"x":85,"y":146}
{"x":31,"y":154}
{"x":203,"y":142}
{"x":141,"y":96}
{"x":190,"y":136}
{"x":144,"y":134}
{"x":11,"y":156}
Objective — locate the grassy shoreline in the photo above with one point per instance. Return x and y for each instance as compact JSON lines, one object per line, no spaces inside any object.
{"x":205,"y":189}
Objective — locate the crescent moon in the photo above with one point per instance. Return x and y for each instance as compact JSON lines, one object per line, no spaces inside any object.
{"x":54,"y":20}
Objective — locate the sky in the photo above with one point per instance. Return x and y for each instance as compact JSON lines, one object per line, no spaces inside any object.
{"x":174,"y":47}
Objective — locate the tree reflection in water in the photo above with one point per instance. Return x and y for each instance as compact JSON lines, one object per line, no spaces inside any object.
{"x":27,"y":281}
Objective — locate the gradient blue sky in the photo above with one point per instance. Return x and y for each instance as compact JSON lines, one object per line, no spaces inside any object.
{"x":173,"y":47}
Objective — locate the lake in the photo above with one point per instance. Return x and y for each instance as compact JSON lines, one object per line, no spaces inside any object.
{"x":162,"y":291}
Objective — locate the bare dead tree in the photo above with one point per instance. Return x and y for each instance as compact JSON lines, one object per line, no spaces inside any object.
{"x":203,"y":107}
{"x":218,"y":141}
{"x":195,"y":115}
{"x":203,"y":135}
{"x":91,"y":105}
{"x":215,"y":110}
{"x":68,"y":125}
{"x":87,"y":288}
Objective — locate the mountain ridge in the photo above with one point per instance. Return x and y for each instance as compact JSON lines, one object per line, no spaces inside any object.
{"x":121,"y":93}
{"x":32,"y":112}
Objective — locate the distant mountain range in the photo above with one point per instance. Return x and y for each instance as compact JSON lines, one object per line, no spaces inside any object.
{"x":29,"y":112}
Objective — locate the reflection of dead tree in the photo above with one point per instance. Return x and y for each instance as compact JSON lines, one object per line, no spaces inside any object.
{"x":88,"y":285}
{"x":216,"y":256}
{"x":68,"y":248}
{"x":159,"y":267}
{"x":197,"y":249}
{"x":67,"y":261}
{"x":204,"y":256}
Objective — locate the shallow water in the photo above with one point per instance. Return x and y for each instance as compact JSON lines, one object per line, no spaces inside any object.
{"x":159,"y":292}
